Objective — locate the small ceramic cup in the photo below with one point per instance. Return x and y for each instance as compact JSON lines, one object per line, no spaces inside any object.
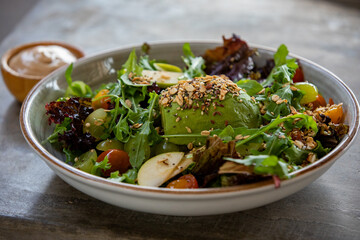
{"x":20,"y":84}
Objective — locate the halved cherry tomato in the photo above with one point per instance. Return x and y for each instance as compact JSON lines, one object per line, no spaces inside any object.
{"x":186,"y":181}
{"x":336,"y":114}
{"x":99,"y":101}
{"x":118,"y":159}
{"x":319,"y":102}
{"x":299,"y":75}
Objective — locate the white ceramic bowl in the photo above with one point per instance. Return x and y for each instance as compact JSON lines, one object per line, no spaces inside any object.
{"x":101,"y":68}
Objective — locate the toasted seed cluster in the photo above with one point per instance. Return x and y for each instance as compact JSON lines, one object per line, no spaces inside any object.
{"x":187,"y":93}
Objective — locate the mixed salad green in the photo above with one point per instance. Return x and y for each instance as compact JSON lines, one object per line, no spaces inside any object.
{"x":220,"y":121}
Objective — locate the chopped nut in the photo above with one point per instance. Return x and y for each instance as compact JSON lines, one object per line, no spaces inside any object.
{"x":238,"y":137}
{"x":310,"y":143}
{"x":137,"y":125}
{"x":299,"y":144}
{"x":292,"y":88}
{"x":222,"y":94}
{"x":190,"y":145}
{"x":188,"y":130}
{"x":164,"y":101}
{"x":178,"y":119}
{"x":128,"y":103}
{"x":189,"y":88}
{"x":179,"y":99}
{"x":311,"y":157}
{"x":202,"y":87}
{"x":165,"y":77}
{"x":173,"y":90}
{"x":262,"y":91}
{"x":205,"y":133}
{"x":275,"y":97}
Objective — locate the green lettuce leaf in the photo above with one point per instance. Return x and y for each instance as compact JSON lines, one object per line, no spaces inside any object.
{"x":265,"y":165}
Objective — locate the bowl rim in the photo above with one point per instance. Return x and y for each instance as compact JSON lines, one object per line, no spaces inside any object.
{"x":15,"y":50}
{"x":119,"y":186}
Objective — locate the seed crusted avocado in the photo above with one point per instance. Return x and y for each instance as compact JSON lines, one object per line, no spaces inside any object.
{"x":206,"y":103}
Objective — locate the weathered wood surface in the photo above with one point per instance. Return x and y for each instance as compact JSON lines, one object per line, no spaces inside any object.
{"x":36,"y":204}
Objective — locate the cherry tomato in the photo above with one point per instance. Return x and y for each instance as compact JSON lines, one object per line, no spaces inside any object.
{"x":336,"y":114}
{"x":319,"y":102}
{"x":101,"y":102}
{"x":299,"y":75}
{"x":118,"y":159}
{"x":186,"y":181}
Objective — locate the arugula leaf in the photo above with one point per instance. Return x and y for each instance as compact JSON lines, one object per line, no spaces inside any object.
{"x":59,"y":129}
{"x":280,"y":55}
{"x":194,"y":65}
{"x":252,"y":87}
{"x":131,"y":65}
{"x":284,"y":68}
{"x":136,"y":146}
{"x":295,"y":155}
{"x":305,"y":121}
{"x":273,"y":109}
{"x":128,"y":177}
{"x":70,"y":155}
{"x":320,"y":150}
{"x":140,"y":142}
{"x":227,"y":134}
{"x":285,"y":73}
{"x":265,"y":165}
{"x":99,"y":166}
{"x":276,"y":143}
{"x":146,"y":63}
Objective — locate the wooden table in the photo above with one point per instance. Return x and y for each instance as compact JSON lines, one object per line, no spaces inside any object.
{"x":36,"y":204}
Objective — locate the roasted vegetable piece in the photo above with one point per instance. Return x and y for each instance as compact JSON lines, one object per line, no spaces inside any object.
{"x":187,"y":181}
{"x":319,"y":102}
{"x":100,"y":101}
{"x":118,"y":159}
{"x":299,"y":75}
{"x":336,"y":113}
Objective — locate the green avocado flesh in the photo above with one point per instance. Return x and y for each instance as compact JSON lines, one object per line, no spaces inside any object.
{"x":238,"y":111}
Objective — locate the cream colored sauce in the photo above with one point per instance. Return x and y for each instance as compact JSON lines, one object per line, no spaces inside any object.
{"x":41,"y":60}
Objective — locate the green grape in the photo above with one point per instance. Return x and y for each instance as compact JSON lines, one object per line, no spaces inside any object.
{"x":165,"y":147}
{"x":86,"y":161}
{"x":96,"y":123}
{"x":110,"y":144}
{"x":311,"y":92}
{"x":167,"y":67}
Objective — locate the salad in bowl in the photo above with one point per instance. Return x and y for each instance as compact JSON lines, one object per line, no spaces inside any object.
{"x":220,"y":121}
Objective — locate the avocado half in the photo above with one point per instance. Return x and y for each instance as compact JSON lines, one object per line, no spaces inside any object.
{"x":205,"y":103}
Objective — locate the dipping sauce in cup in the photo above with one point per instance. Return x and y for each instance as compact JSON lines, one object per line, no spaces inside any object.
{"x":23,"y":66}
{"x":41,"y":60}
